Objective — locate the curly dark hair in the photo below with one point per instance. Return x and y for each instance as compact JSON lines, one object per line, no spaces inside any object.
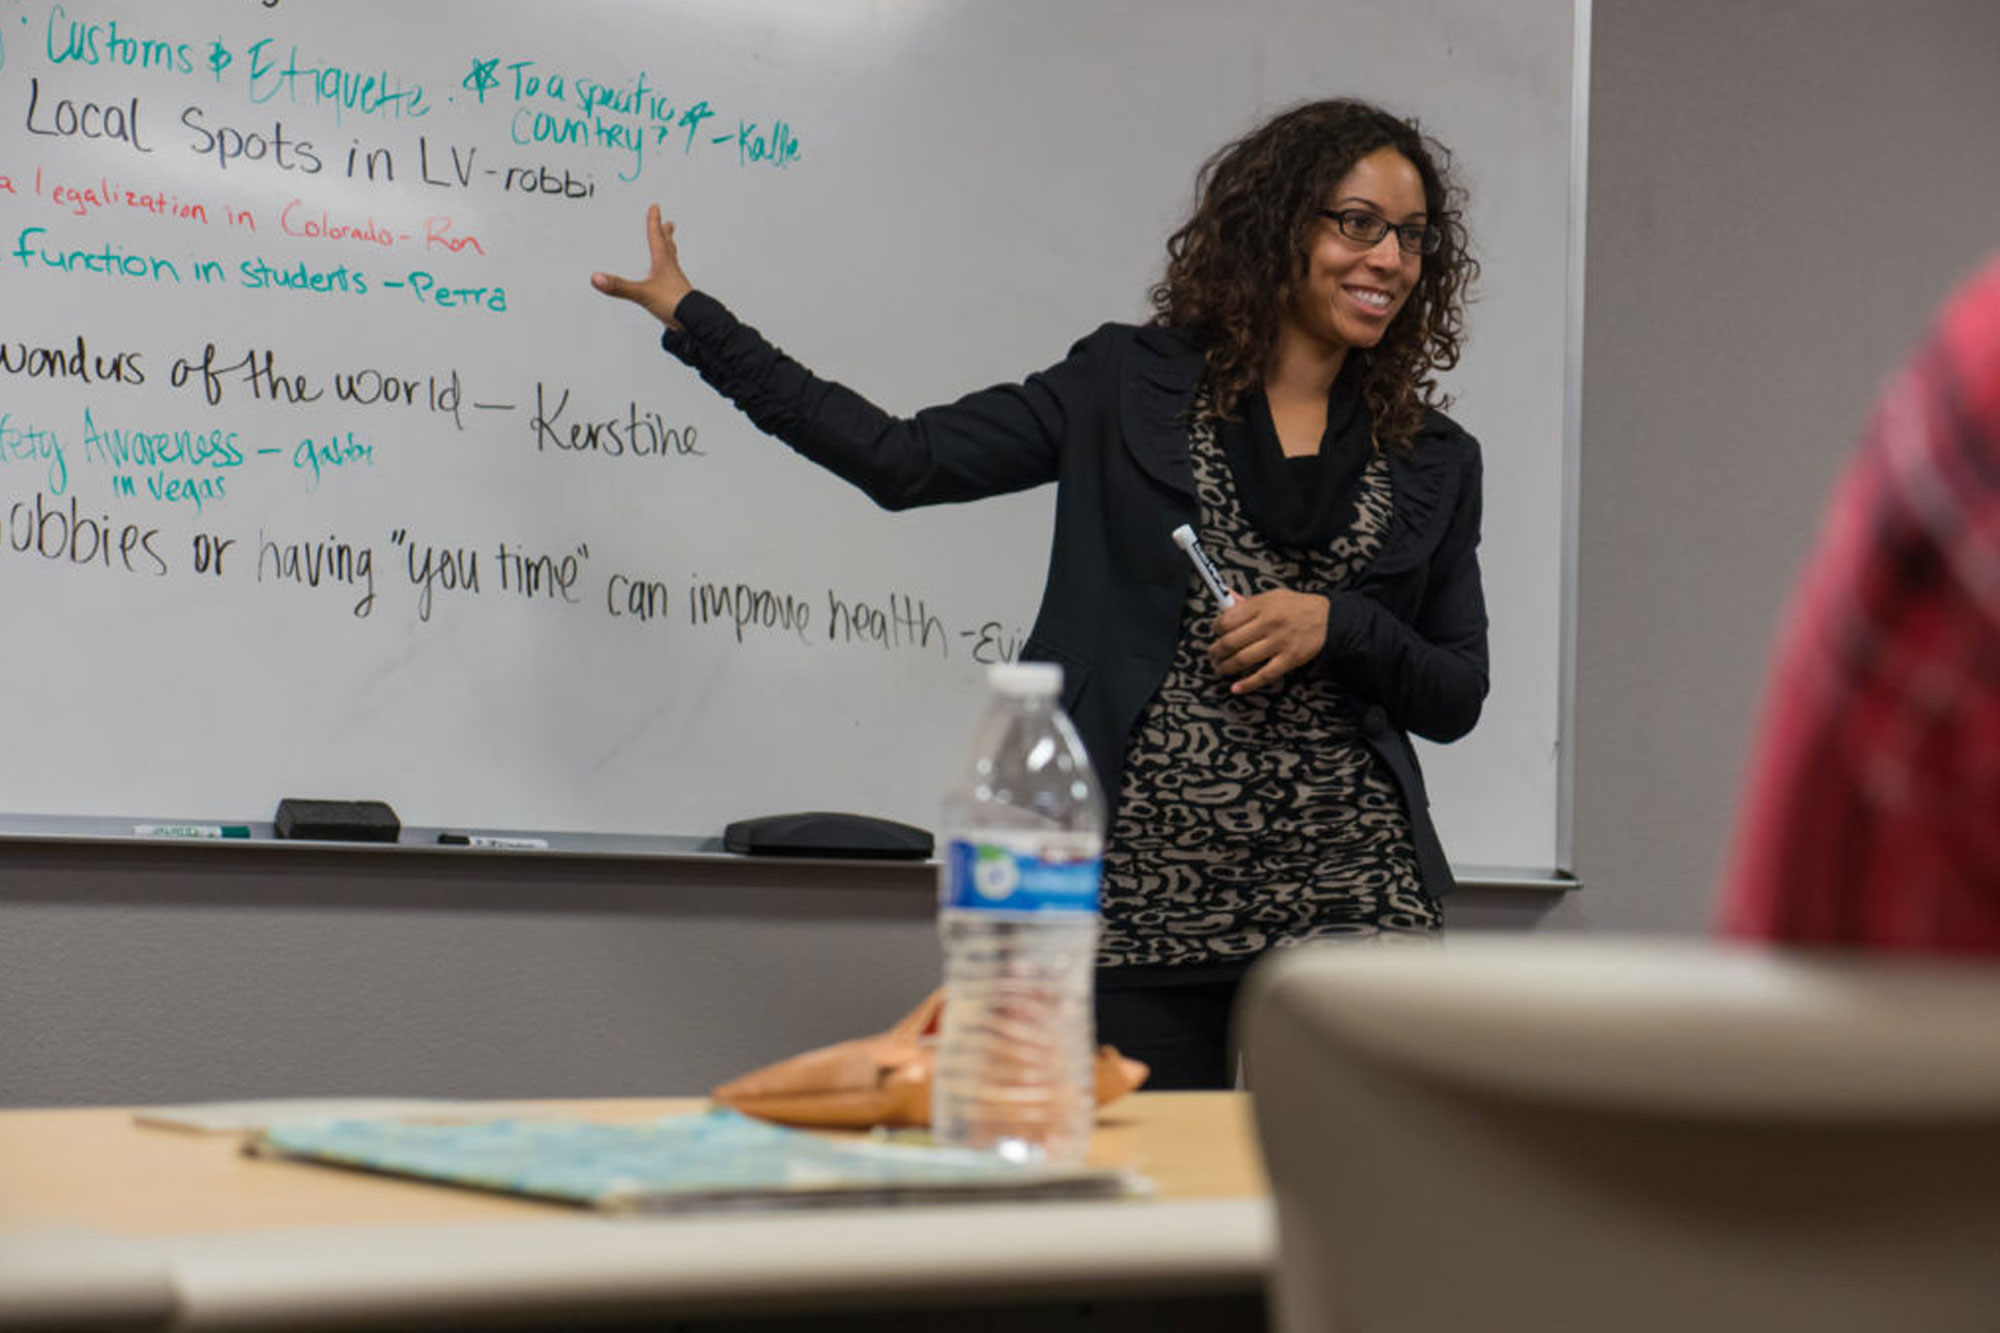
{"x":1257,"y":204}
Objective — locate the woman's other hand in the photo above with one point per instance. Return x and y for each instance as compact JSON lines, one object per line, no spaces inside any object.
{"x":1261,"y":638}
{"x":661,"y":290}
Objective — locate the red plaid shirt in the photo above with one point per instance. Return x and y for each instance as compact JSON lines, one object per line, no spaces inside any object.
{"x":1873,"y":814}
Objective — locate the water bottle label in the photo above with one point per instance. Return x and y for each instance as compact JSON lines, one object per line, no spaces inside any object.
{"x":987,"y":877}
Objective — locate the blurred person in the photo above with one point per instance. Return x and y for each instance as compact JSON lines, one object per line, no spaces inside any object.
{"x":1873,"y":811}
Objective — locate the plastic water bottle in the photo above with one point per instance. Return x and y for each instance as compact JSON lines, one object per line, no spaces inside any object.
{"x":1023,"y":857}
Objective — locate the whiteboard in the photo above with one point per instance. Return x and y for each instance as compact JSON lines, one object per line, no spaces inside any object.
{"x":324,"y":473}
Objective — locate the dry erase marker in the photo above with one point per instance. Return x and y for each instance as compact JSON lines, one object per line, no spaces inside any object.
{"x":191,"y":830}
{"x":494,"y":843}
{"x":1185,"y":539}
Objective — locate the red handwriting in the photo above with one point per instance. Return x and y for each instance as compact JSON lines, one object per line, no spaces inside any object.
{"x":437,"y":236}
{"x":83,"y":198}
{"x":300,"y":220}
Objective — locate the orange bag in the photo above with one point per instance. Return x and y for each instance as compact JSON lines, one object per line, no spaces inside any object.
{"x":880,"y":1080}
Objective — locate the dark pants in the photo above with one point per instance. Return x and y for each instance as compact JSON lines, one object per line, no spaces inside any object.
{"x":1180,"y":1029}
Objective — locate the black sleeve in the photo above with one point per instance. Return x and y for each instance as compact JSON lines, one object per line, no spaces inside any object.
{"x":1430,"y":675}
{"x":1002,"y":439}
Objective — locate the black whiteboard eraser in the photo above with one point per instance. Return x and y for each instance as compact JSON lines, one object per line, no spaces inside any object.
{"x":337,"y":821}
{"x":829,"y":834}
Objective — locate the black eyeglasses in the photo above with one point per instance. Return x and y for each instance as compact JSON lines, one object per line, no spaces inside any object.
{"x":1365,"y":228}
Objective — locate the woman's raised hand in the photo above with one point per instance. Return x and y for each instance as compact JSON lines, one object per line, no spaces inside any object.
{"x":661,"y":290}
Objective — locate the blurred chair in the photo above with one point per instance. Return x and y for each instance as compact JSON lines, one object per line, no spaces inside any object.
{"x":1557,"y":1134}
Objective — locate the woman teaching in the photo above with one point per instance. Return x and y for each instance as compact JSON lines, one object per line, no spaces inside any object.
{"x":1282,"y":401}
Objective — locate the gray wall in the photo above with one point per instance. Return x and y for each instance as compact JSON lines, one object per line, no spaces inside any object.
{"x":192,"y":972}
{"x":1780,"y":192}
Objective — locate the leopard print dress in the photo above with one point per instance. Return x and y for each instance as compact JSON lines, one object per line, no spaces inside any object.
{"x":1251,"y":821}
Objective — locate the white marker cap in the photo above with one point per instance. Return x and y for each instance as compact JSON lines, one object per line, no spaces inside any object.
{"x":1025,"y":679}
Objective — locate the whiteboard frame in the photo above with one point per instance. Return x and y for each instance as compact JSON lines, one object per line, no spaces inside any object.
{"x":67,"y":828}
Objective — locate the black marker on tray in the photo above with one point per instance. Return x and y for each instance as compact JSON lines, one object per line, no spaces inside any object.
{"x":493,"y":842}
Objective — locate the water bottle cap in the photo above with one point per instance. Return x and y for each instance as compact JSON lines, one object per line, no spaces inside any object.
{"x":1025,"y":679}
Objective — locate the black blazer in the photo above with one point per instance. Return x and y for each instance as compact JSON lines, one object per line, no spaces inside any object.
{"x":1109,"y":425}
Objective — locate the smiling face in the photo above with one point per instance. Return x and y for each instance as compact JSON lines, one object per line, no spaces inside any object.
{"x":1349,"y":292}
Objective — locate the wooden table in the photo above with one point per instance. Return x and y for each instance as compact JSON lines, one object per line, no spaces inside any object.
{"x":102,"y":1219}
